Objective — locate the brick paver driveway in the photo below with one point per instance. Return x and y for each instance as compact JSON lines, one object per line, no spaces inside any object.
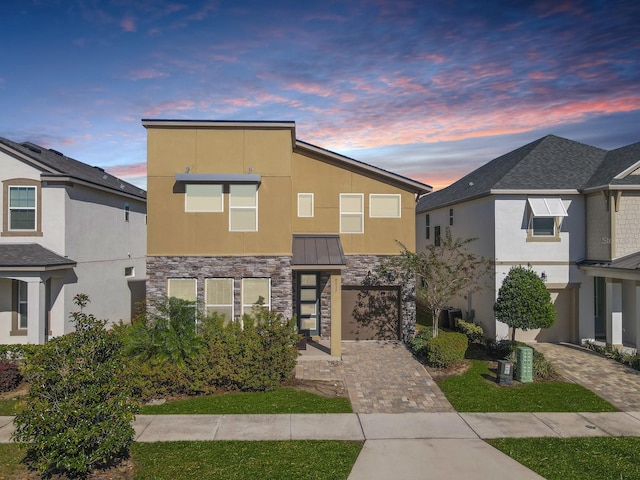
{"x":616,"y":383}
{"x":381,"y":377}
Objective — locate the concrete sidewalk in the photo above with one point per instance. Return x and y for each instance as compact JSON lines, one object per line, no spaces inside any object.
{"x":402,"y":445}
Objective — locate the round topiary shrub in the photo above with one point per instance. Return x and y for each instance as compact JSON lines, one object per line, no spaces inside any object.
{"x":447,"y":349}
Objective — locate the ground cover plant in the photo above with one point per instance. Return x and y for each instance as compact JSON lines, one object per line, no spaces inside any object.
{"x":584,"y":458}
{"x":284,"y":400}
{"x":310,"y":459}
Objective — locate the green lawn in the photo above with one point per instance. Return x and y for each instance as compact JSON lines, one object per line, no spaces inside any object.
{"x":10,"y":407}
{"x":584,"y":458}
{"x":476,"y":391}
{"x":299,"y":460}
{"x":284,"y":400}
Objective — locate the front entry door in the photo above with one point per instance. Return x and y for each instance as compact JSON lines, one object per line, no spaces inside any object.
{"x":308,"y":304}
{"x":600,"y":308}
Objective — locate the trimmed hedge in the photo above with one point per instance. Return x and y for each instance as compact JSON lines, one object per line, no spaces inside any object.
{"x":444,"y":350}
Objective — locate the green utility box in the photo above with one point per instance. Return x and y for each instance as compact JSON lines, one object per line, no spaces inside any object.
{"x":524,"y":360}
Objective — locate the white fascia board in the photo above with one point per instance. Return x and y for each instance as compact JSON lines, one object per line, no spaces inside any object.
{"x":534,"y":192}
{"x":612,"y":187}
{"x":627,"y":171}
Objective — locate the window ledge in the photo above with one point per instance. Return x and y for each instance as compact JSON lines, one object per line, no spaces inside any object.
{"x":18,"y":333}
{"x":531,"y":238}
{"x":26,"y":233}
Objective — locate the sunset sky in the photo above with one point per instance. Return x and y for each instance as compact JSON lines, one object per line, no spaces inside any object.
{"x":427,"y":89}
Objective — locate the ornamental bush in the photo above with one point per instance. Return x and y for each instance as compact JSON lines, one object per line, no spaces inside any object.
{"x":78,"y":412}
{"x":447,"y":349}
{"x":474,"y":332}
{"x":10,"y":376}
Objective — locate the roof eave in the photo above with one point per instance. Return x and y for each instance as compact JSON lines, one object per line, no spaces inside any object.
{"x":610,"y":187}
{"x":71,"y":179}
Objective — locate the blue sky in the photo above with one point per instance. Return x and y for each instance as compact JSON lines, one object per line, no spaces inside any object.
{"x":428,"y":89}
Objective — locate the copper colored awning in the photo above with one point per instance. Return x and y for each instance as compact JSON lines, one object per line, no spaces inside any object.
{"x":317,"y":252}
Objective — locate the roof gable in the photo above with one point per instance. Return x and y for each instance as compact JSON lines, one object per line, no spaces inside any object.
{"x":54,"y":164}
{"x":619,"y":167}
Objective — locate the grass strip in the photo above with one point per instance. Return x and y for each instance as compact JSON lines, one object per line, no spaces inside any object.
{"x":11,"y":406}
{"x":476,"y":391}
{"x":299,"y":460}
{"x":285,"y":400}
{"x":591,"y":458}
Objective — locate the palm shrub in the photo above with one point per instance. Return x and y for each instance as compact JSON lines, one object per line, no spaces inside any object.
{"x":78,"y":412}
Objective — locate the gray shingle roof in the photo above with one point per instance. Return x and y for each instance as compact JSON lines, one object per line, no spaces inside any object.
{"x":31,"y":255}
{"x":58,"y":164}
{"x":549,"y":163}
{"x":630,"y":262}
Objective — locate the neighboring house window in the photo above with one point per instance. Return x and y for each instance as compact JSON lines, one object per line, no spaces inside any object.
{"x":129,"y":272}
{"x":127,"y":208}
{"x":385,"y":206}
{"x":545,"y":218}
{"x":451,"y":216}
{"x":182,"y":288}
{"x":428,"y":227}
{"x":22,"y":202}
{"x":305,"y":204}
{"x":19,"y":322}
{"x":255,"y":291}
{"x":436,"y":235}
{"x":351,"y":213}
{"x":203,"y":198}
{"x":219,"y":297}
{"x":22,"y":208}
{"x":243,"y":208}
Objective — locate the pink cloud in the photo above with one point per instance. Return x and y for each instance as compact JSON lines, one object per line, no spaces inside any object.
{"x":541,"y":76}
{"x":128,"y":24}
{"x":170,"y":106}
{"x":146,"y":74}
{"x":129,"y":171}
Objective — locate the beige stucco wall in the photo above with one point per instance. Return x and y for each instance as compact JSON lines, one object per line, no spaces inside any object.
{"x":627,"y":224}
{"x":284,"y":174}
{"x":598,"y":227}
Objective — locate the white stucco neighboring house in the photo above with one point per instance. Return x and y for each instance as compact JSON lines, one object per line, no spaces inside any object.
{"x":569,"y":210}
{"x":67,"y":228}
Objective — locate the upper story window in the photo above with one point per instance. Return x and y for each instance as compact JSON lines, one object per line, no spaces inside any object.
{"x":351,"y":213}
{"x":22,"y":208}
{"x":127,"y":209}
{"x":385,"y":205}
{"x":243,"y":208}
{"x":545,"y":218}
{"x":22,"y":213}
{"x":305,"y":205}
{"x":436,"y":235}
{"x":203,"y":197}
{"x":451,"y":216}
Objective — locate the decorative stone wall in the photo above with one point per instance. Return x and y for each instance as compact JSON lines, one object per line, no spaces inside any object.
{"x":159,"y":269}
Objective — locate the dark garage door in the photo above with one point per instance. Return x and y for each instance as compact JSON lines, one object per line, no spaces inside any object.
{"x":371,"y":313}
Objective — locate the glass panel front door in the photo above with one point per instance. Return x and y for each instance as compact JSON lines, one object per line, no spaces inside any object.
{"x":308,"y":304}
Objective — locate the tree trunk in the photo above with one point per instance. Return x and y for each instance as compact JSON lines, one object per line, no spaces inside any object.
{"x":513,"y":334}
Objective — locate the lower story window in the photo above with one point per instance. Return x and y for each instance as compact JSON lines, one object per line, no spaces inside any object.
{"x":19,"y":304}
{"x":219,"y":297}
{"x":182,"y":288}
{"x":255,"y":291}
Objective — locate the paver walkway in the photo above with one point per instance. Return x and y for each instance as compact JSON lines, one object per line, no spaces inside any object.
{"x":616,"y":383}
{"x":381,"y":377}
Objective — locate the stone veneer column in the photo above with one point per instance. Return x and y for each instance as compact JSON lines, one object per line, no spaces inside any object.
{"x":336,"y":315}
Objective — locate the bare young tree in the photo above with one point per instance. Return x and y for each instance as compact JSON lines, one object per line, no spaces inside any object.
{"x":447,"y":271}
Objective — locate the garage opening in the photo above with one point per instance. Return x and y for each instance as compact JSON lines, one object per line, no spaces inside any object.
{"x":371,"y":313}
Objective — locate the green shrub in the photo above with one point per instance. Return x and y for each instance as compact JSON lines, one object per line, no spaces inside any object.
{"x":10,"y":376}
{"x":474,"y":332}
{"x":507,"y":350}
{"x":17,"y":352}
{"x":447,"y":349}
{"x":78,"y":412}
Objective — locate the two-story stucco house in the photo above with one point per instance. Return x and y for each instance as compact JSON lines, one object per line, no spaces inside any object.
{"x":243,"y":211}
{"x":571,"y":212}
{"x":67,"y":228}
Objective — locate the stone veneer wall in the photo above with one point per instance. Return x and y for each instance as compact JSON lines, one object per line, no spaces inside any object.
{"x":159,"y":269}
{"x":359,"y":271}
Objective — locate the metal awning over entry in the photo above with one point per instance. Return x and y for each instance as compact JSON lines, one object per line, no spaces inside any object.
{"x":317,"y":252}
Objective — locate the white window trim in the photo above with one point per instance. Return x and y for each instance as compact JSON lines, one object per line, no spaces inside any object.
{"x":556,"y":227}
{"x":361,"y":213}
{"x":133,"y":272}
{"x":35,"y":209}
{"x":208,"y":210}
{"x":267,"y":303}
{"x":243,"y":208}
{"x":312,"y":205}
{"x":232,"y":304}
{"x":372,"y":195}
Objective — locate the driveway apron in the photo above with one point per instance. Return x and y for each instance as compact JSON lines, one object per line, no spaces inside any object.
{"x":616,"y":383}
{"x":380,"y":377}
